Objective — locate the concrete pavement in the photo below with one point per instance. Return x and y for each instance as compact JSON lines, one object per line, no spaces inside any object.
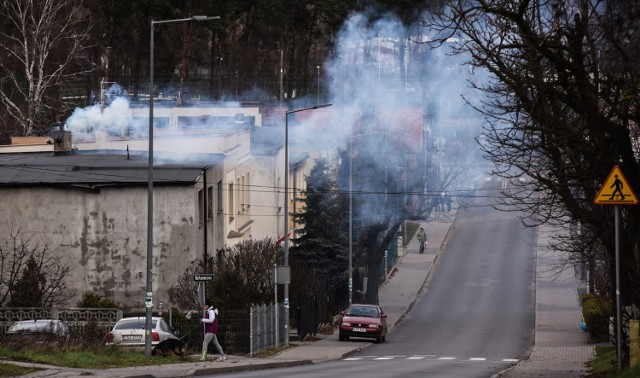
{"x":560,"y":350}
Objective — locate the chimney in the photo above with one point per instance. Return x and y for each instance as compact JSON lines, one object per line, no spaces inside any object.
{"x":62,"y":144}
{"x":61,"y":139}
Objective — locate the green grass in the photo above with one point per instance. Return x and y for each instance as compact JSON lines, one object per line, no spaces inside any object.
{"x":86,"y":359}
{"x":10,"y":370}
{"x":605,"y":364}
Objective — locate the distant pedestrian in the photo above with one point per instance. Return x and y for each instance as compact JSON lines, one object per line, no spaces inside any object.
{"x":447,"y":201}
{"x":422,"y":239}
{"x":210,"y":321}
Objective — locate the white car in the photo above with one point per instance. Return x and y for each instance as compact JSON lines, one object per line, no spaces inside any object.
{"x":129,"y":332}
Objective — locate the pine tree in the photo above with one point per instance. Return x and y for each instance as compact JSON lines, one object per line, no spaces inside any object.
{"x":28,"y":290}
{"x":322,"y":240}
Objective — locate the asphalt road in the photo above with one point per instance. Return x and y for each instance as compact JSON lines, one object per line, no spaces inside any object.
{"x":475,"y":316}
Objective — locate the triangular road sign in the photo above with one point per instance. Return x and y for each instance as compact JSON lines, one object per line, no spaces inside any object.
{"x":616,"y":190}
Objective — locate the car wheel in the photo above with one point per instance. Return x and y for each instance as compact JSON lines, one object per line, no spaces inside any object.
{"x":343,"y":338}
{"x":379,"y":339}
{"x":384,"y":339}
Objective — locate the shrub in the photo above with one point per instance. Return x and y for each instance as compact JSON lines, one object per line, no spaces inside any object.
{"x":93,"y":300}
{"x":596,"y":311}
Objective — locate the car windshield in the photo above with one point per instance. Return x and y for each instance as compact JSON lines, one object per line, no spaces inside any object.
{"x":367,"y":312}
{"x":138,"y":323}
{"x":31,"y":326}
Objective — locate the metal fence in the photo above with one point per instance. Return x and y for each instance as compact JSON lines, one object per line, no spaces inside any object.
{"x":76,"y":318}
{"x":240,"y":331}
{"x":266,"y":332}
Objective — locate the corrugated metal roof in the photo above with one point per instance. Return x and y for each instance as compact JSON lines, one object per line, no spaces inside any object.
{"x":91,"y":168}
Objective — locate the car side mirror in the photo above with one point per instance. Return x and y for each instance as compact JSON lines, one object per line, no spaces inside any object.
{"x":177,"y":332}
{"x":342,"y":312}
{"x":384,"y":316}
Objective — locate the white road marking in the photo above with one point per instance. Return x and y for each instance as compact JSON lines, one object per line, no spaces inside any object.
{"x":425,"y":356}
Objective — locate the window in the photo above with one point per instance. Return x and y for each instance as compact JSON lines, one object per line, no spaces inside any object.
{"x":219,"y":197}
{"x":239,"y":194}
{"x":200,"y":207}
{"x":231,"y":207}
{"x":210,"y":202}
{"x":246,"y":193}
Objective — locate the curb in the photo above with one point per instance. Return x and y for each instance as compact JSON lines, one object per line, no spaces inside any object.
{"x":239,"y":368}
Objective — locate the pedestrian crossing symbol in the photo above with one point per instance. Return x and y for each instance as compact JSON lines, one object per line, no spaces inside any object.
{"x":616,"y":190}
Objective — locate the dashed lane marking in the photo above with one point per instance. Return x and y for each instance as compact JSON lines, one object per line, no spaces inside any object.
{"x":431,"y":357}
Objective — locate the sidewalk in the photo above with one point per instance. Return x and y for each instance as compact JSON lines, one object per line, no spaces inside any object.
{"x":560,"y":350}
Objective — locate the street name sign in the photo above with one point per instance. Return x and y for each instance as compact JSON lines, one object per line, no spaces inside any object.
{"x":203,"y":277}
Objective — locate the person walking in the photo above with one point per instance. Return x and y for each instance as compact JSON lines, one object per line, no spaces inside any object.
{"x":422,"y":239}
{"x":210,"y":321}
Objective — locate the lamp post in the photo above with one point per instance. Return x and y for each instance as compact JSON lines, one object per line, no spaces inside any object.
{"x":149,"y":287}
{"x":350,"y":220}
{"x":286,"y":212}
{"x":281,"y":74}
{"x":318,"y":85}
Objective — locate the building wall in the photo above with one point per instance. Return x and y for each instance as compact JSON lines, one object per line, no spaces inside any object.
{"x":102,"y":236}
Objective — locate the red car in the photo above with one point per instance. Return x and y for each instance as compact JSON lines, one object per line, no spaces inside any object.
{"x":363,"y":320}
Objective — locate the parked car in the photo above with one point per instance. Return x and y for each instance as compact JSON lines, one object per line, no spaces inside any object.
{"x":363,"y":320}
{"x":38,"y":331}
{"x":129,"y":332}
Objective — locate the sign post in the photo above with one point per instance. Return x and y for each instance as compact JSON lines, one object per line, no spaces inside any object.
{"x":617,"y":191}
{"x":201,"y":279}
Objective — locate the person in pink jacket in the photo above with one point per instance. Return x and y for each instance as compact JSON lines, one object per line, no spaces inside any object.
{"x":210,"y":321}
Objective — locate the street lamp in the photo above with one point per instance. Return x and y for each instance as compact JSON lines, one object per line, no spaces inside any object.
{"x":350,"y":220}
{"x":149,"y":293}
{"x":318,"y":85}
{"x":286,"y":213}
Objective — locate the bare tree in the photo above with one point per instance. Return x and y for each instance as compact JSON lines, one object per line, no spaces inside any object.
{"x":31,"y":272}
{"x":242,"y":276}
{"x":39,"y":48}
{"x":562,"y":107}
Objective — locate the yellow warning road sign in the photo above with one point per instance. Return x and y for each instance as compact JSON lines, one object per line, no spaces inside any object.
{"x":616,"y":190}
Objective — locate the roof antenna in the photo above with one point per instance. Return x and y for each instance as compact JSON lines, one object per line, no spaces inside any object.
{"x":128,"y":157}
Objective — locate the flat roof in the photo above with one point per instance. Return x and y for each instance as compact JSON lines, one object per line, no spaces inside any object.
{"x":101,"y":168}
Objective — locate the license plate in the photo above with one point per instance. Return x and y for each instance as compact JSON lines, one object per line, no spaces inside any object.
{"x":359,"y":330}
{"x":131,"y":337}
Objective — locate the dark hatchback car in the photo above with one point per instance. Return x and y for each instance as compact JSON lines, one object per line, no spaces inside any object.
{"x":38,"y":331}
{"x":363,"y":320}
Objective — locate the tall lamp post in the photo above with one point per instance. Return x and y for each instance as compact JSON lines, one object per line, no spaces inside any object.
{"x":149,"y":293}
{"x":286,"y":212}
{"x":350,"y":220}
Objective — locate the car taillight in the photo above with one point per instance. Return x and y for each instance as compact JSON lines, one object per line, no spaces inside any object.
{"x":109,"y":337}
{"x":155,"y":336}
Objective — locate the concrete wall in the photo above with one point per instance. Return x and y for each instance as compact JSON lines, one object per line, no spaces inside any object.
{"x":102,"y":236}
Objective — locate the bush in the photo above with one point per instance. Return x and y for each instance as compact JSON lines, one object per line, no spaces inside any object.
{"x":596,"y":311}
{"x":93,"y":300}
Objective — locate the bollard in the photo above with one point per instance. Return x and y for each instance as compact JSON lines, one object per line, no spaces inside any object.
{"x":634,"y":342}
